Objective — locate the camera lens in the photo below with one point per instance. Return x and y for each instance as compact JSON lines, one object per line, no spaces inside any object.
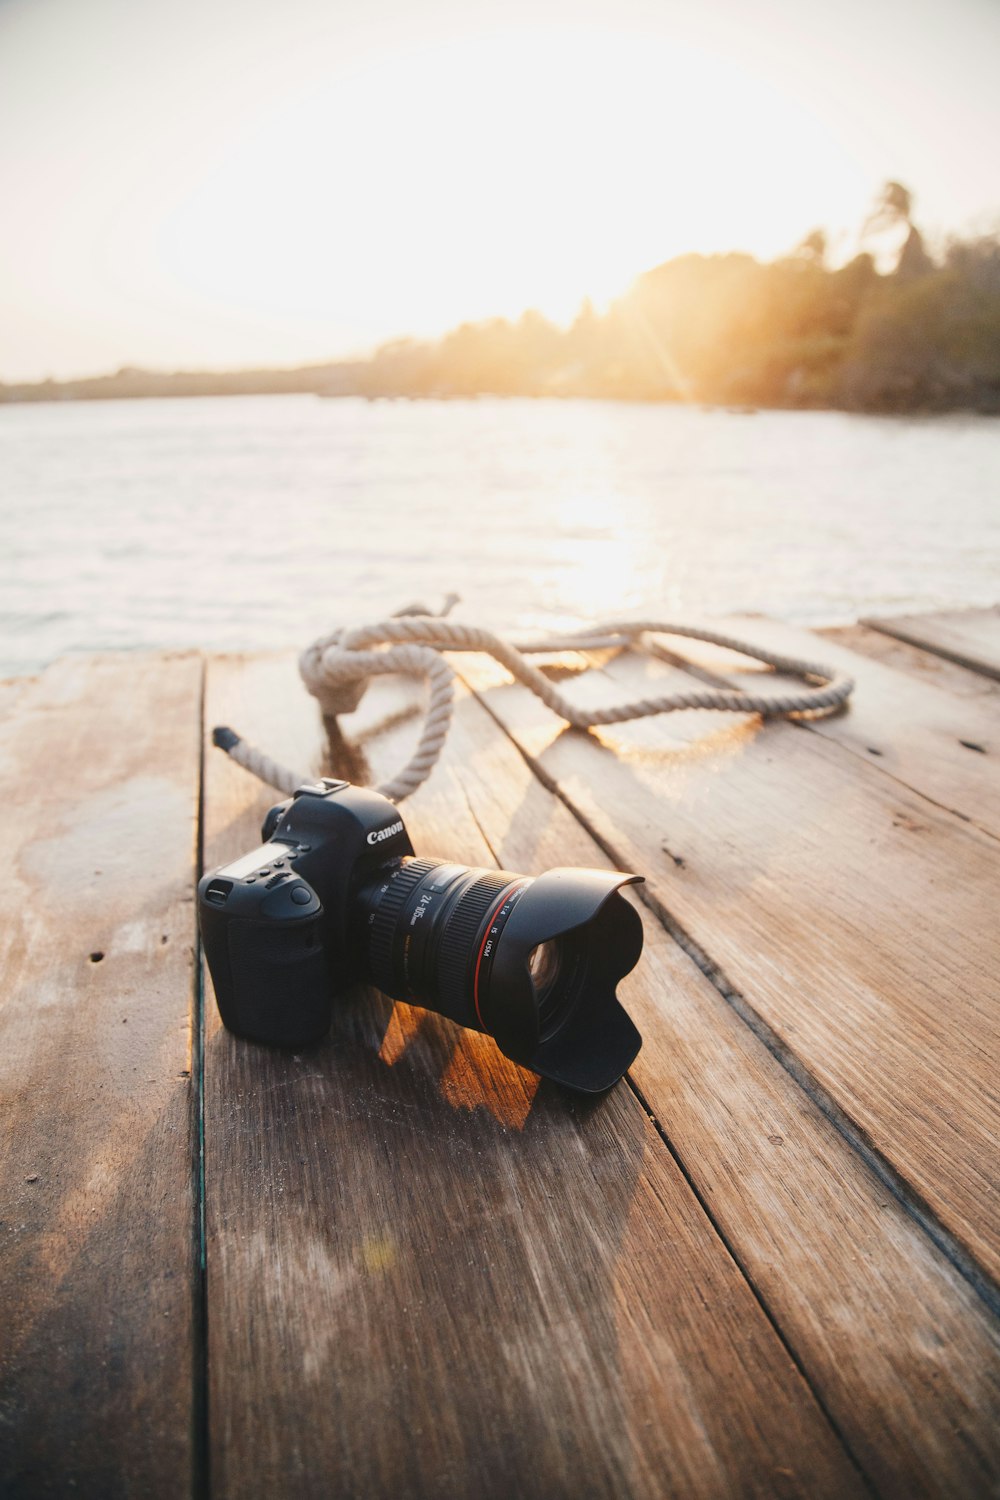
{"x":433,"y":930}
{"x":532,"y":962}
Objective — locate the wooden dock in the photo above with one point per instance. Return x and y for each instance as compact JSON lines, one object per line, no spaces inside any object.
{"x":396,"y":1265}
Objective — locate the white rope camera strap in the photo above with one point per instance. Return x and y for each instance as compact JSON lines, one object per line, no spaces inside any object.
{"x":336,"y":670}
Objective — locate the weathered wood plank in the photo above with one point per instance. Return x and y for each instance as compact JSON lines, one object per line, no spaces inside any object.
{"x":947,"y":749}
{"x":969,"y":637}
{"x":428,"y":1275}
{"x":903,"y":1354}
{"x":97,"y":1256}
{"x":853,"y":921}
{"x":923,"y":665}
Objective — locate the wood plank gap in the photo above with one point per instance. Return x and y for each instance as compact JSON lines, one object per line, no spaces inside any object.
{"x":856,"y":1137}
{"x":918,"y":664}
{"x":903,"y":1349}
{"x":902,"y":630}
{"x":675,"y":1156}
{"x":199,"y":1378}
{"x":745,"y":1272}
{"x":478,"y":822}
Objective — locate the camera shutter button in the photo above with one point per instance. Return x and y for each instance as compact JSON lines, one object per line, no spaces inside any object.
{"x":290,"y":901}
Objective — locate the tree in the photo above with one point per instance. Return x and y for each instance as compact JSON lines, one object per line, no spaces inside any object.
{"x":812,"y":248}
{"x":892,"y":217}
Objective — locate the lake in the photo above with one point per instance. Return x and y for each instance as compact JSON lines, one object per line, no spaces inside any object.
{"x":254,"y":522}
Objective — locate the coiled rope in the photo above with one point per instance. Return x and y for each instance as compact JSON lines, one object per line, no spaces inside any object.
{"x":337,"y":668}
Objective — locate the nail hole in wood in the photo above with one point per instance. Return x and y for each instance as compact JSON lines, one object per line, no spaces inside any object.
{"x":873,"y":751}
{"x":95,"y":958}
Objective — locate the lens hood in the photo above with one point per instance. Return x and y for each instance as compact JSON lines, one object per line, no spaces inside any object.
{"x":593,"y":1040}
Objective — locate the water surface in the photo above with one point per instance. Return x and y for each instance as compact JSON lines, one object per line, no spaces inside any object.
{"x":243,"y":522}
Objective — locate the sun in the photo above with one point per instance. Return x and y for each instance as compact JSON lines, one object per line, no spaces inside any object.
{"x":289,"y":192}
{"x":487,"y":175}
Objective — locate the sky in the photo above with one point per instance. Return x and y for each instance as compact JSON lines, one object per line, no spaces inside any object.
{"x":223,"y":183}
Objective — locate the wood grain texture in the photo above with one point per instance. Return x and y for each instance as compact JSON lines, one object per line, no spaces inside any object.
{"x":853,"y":921}
{"x":902,"y":1353}
{"x":429,"y":1275}
{"x":969,"y":637}
{"x":100,"y":760}
{"x":922,"y":665}
{"x":944,"y":747}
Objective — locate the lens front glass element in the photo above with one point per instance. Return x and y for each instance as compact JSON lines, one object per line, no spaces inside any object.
{"x":556,"y":968}
{"x":543,"y":966}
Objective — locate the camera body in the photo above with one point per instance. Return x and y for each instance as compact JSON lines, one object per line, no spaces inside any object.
{"x":335,"y":895}
{"x":275,"y":923}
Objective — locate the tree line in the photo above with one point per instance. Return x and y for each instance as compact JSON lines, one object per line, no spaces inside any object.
{"x":921,"y":335}
{"x":895,"y":329}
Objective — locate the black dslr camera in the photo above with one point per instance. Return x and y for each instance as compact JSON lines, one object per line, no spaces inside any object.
{"x":335,"y":896}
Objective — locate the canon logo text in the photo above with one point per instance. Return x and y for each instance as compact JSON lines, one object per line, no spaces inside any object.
{"x":385,"y":833}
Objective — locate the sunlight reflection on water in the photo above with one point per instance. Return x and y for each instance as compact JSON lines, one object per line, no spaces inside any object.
{"x":255,"y":522}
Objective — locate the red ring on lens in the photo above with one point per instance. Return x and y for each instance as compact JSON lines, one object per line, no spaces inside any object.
{"x":517,"y":885}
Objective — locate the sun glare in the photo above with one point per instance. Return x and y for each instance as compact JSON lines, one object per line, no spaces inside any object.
{"x":192,"y":191}
{"x":484,"y":177}
{"x":244,"y":184}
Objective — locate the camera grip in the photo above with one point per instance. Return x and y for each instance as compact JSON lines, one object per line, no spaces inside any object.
{"x":268,"y":964}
